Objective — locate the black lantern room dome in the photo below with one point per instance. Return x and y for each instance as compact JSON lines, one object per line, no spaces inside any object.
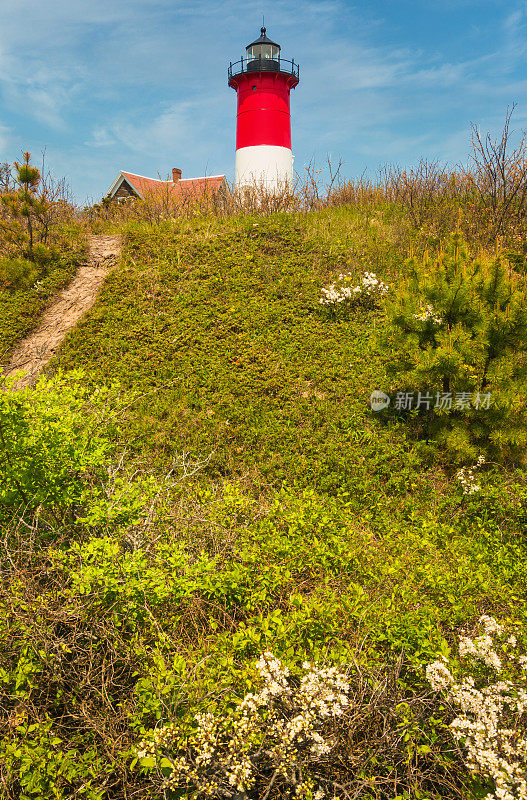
{"x":263,"y":39}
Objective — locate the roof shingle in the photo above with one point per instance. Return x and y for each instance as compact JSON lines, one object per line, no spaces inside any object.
{"x":185,"y":188}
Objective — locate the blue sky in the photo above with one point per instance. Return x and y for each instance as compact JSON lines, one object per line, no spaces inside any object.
{"x":140,"y":85}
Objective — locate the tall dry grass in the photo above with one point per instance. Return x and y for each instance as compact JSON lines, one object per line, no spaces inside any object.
{"x":486,"y":198}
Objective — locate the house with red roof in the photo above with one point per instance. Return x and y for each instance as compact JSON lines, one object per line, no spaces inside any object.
{"x":178,"y":191}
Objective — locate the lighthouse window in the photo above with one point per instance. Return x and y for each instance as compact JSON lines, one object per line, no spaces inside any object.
{"x":262,"y":51}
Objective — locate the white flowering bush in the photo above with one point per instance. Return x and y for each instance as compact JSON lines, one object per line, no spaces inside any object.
{"x":276,"y":731}
{"x":467,"y":477}
{"x":320,"y":733}
{"x":489,"y":688}
{"x":367,"y":293}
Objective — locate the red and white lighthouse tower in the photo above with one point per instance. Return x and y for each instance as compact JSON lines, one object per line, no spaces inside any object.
{"x":263,"y":83}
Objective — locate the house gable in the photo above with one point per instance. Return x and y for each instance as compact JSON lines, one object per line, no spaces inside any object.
{"x":125,"y":190}
{"x":121,"y":188}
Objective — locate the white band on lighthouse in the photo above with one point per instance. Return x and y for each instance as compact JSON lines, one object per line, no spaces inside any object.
{"x":264,"y":165}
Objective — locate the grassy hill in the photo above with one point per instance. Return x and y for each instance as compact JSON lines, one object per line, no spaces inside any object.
{"x":223,"y":319}
{"x":262,"y":504}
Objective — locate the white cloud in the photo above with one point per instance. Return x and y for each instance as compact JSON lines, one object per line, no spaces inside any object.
{"x":100,"y":137}
{"x":4,"y":142}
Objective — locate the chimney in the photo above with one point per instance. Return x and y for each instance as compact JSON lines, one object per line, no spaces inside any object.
{"x":176,"y":175}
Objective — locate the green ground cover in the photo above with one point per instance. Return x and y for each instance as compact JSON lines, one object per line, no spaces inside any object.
{"x":227,"y":327}
{"x":313,"y":527}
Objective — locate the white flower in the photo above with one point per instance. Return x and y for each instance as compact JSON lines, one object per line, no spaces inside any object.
{"x":491,"y":725}
{"x":370,"y":289}
{"x":467,"y":479}
{"x":490,"y":625}
{"x":427,"y":314}
{"x":438,"y":676}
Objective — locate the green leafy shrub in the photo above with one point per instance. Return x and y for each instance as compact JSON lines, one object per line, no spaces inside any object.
{"x":21,"y":273}
{"x":26,"y":289}
{"x":57,"y":481}
{"x":34,"y":756}
{"x":133,"y":584}
{"x":460,"y":334}
{"x":51,"y":438}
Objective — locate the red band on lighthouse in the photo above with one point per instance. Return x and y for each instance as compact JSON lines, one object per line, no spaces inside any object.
{"x":263,"y":110}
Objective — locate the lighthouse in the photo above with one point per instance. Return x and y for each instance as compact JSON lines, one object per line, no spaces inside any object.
{"x":263,"y":81}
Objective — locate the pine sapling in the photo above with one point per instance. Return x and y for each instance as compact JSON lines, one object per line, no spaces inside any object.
{"x":459,"y":330}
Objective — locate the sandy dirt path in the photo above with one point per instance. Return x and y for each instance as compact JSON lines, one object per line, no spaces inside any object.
{"x":39,"y":347}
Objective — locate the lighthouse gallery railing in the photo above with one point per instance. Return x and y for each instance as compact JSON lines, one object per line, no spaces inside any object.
{"x":264,"y":65}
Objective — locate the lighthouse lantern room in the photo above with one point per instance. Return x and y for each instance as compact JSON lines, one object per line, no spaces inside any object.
{"x":263,"y":81}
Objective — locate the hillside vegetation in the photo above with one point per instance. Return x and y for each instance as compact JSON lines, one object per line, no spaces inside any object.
{"x":41,"y":245}
{"x":200,"y":479}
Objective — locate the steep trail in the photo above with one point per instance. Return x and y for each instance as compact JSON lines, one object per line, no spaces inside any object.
{"x":39,"y":347}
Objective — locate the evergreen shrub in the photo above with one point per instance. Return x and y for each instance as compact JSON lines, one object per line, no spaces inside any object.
{"x":459,"y":335}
